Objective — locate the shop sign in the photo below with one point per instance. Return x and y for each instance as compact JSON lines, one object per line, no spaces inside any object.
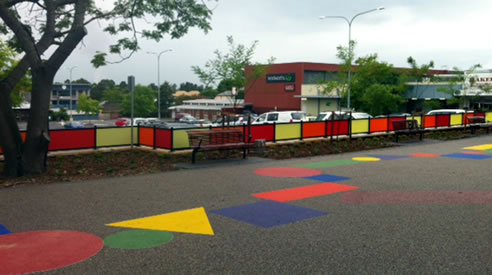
{"x":280,"y":78}
{"x":290,"y":87}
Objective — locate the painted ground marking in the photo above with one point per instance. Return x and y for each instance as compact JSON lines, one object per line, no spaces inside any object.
{"x":467,"y":156}
{"x":38,"y":251}
{"x":327,"y":178}
{"x":269,"y":214}
{"x":138,"y":239}
{"x":366,"y":159}
{"x":304,"y":192}
{"x":483,"y":147}
{"x":287,"y":172}
{"x":388,"y":157}
{"x":399,"y":197}
{"x":327,"y":164}
{"x":424,"y":155}
{"x":4,"y":230}
{"x":192,"y":221}
{"x":475,"y":152}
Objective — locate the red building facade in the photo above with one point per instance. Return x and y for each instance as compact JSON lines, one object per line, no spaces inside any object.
{"x":281,"y":88}
{"x":282,"y":83}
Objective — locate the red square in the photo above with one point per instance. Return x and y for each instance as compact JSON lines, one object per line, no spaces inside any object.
{"x":304,"y":192}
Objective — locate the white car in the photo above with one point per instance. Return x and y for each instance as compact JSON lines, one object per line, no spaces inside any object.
{"x":339,"y":115}
{"x":279,"y":117}
{"x":446,"y":112}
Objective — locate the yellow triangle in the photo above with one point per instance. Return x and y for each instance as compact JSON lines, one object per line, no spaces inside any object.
{"x":193,"y":221}
{"x":484,"y":147}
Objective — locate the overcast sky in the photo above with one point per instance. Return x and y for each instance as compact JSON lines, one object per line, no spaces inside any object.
{"x":452,"y":33}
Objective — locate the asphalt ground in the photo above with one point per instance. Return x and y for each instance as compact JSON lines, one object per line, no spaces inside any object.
{"x":354,"y":238}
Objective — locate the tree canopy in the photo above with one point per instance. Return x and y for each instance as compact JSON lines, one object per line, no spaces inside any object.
{"x":144,"y":102}
{"x":33,"y":27}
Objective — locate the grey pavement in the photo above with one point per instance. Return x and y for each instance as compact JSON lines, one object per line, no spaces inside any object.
{"x":402,"y":238}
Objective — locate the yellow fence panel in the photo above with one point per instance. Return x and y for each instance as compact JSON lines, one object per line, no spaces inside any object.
{"x":288,"y":131}
{"x":456,"y":119}
{"x":489,"y":117}
{"x":417,"y":118}
{"x":116,"y":136}
{"x":360,"y":126}
{"x":181,"y":139}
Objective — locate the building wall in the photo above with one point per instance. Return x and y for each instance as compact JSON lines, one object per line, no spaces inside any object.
{"x":310,"y":106}
{"x":270,"y":96}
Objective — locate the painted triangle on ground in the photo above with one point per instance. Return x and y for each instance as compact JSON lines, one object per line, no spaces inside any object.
{"x":192,"y":221}
{"x":483,"y":147}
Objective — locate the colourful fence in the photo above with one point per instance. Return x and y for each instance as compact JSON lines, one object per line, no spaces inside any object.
{"x":177,"y":139}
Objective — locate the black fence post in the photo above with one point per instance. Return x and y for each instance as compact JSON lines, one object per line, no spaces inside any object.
{"x":154,"y":143}
{"x":95,"y":137}
{"x":302,"y":123}
{"x":274,"y":132}
{"x":369,"y":126}
{"x":138,"y":135}
{"x":332,"y":125}
{"x":350,"y":126}
{"x":387,"y":123}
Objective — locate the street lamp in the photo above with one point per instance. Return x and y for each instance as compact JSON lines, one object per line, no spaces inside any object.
{"x":159,"y":79}
{"x":349,"y":44}
{"x":71,"y":69}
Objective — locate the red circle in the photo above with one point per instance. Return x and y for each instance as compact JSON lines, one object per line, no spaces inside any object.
{"x":38,"y":251}
{"x":287,"y":172}
{"x":425,"y":155}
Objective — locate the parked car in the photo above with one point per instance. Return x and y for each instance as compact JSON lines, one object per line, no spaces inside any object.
{"x":446,"y":112}
{"x":395,"y":115}
{"x":73,"y":125}
{"x":279,"y":117}
{"x":341,"y":115}
{"x":122,"y":121}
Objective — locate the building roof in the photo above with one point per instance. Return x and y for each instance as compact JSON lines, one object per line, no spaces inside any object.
{"x":185,"y":93}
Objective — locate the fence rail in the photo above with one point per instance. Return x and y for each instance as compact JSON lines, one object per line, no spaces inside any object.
{"x":177,"y":139}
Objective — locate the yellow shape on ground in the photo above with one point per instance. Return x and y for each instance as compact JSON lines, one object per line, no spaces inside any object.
{"x":193,"y":221}
{"x":484,"y":147}
{"x":366,"y":159}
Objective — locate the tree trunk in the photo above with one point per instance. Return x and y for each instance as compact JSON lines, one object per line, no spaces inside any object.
{"x":37,"y":140}
{"x":10,"y":138}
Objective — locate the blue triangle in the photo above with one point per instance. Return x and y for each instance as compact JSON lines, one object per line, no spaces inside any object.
{"x":4,"y":230}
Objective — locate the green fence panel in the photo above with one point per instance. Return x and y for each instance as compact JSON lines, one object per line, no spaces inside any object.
{"x":360,"y":126}
{"x":116,"y":136}
{"x":288,"y":131}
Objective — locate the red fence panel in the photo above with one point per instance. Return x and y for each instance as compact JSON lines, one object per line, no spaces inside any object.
{"x":146,"y":136}
{"x":163,"y":138}
{"x":379,"y":125}
{"x":72,"y":139}
{"x":339,"y":127}
{"x":391,"y":119}
{"x":313,"y":129}
{"x":443,"y":120}
{"x":265,"y":132}
{"x":430,"y":121}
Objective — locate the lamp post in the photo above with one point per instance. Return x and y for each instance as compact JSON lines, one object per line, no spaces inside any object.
{"x":159,"y":79}
{"x":349,"y":42}
{"x":71,"y":69}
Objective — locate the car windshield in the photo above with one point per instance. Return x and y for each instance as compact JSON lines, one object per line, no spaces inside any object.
{"x":321,"y":117}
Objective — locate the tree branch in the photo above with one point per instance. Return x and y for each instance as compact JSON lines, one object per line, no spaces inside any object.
{"x":20,"y":32}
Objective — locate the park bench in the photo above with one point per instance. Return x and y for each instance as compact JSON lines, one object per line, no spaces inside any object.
{"x":217,"y":140}
{"x":407,"y":127}
{"x":477,"y":122}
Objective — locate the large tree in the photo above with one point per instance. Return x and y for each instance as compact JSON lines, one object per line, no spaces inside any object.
{"x":230,"y":67}
{"x":35,"y":26}
{"x":144,"y":102}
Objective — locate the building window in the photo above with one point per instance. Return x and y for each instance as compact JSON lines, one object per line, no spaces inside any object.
{"x":315,"y":77}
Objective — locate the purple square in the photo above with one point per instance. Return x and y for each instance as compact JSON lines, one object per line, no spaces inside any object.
{"x":467,"y":156}
{"x":388,"y":157}
{"x":327,"y":178}
{"x":268,"y":214}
